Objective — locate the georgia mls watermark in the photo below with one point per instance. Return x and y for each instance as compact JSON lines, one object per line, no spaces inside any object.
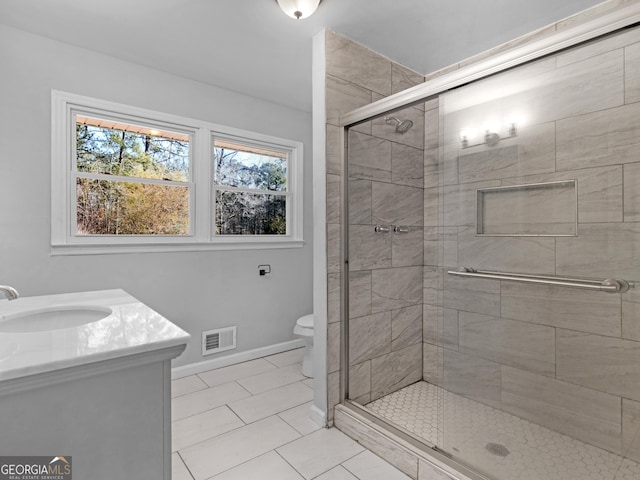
{"x":35,"y":468}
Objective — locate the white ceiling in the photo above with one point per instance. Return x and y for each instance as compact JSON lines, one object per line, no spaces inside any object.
{"x":251,"y":47}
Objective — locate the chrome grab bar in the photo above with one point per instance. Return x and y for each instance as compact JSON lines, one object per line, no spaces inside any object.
{"x":609,"y":285}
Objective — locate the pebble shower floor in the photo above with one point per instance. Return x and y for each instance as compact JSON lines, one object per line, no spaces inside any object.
{"x":496,"y":443}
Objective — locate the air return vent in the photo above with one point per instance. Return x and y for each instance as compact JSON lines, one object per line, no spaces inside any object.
{"x":216,"y":341}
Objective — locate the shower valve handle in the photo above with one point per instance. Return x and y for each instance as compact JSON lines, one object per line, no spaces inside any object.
{"x":382,"y":229}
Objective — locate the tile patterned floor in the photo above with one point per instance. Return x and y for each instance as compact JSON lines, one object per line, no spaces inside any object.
{"x":250,"y":421}
{"x":533,"y":452}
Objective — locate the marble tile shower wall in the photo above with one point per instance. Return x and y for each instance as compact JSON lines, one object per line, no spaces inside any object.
{"x":566,"y":359}
{"x":386,"y":188}
{"x":386,"y":173}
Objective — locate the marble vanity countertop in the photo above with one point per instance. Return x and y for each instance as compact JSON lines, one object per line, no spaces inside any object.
{"x":131,"y":328}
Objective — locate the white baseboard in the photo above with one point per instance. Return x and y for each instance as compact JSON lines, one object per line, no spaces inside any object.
{"x":225,"y":361}
{"x":318,"y":416}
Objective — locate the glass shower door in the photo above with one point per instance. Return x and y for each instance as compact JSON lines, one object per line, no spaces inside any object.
{"x":536,"y":356}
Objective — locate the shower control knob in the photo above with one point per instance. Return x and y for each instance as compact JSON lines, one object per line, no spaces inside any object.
{"x":382,"y":229}
{"x":400,"y":229}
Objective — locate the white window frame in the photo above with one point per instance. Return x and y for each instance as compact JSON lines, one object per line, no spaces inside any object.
{"x":65,"y":241}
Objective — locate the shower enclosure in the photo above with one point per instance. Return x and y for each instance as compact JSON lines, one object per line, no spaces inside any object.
{"x":492,"y":267}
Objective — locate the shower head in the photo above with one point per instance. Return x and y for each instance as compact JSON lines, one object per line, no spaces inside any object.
{"x":402,"y":126}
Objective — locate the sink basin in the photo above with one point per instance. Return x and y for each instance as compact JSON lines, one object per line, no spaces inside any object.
{"x":52,"y":318}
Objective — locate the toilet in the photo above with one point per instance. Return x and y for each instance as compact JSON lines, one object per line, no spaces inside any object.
{"x":304,"y":328}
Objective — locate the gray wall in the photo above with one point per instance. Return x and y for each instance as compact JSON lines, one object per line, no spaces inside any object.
{"x":195,"y":290}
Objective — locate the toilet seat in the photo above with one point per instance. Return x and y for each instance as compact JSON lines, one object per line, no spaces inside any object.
{"x":305,"y":321}
{"x":304,"y":326}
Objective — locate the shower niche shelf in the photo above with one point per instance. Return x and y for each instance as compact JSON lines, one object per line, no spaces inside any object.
{"x":532,"y":210}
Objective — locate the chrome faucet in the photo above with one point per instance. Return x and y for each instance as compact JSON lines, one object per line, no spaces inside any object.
{"x":10,"y":292}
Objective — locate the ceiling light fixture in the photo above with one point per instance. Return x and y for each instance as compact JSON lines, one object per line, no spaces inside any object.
{"x":299,"y":8}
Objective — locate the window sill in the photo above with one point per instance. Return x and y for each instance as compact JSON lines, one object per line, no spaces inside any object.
{"x":60,"y":250}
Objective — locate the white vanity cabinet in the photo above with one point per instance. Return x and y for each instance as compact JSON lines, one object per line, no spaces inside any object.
{"x":98,"y":392}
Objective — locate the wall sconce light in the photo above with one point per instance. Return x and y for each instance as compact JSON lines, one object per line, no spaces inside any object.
{"x":299,"y":8}
{"x":491,"y":139}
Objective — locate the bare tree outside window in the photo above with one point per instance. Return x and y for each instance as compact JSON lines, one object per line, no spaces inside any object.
{"x":251,"y":190}
{"x":130,"y":181}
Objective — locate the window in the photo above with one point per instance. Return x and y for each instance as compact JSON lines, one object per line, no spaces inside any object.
{"x":250,"y":186}
{"x":128,"y":179}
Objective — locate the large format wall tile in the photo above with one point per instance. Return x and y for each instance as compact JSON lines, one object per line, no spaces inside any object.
{"x":603,"y":363}
{"x":631,"y":314}
{"x":631,"y":429}
{"x":359,"y":201}
{"x":606,"y":137}
{"x":395,"y":370}
{"x":599,"y":194}
{"x":342,"y":97}
{"x":593,"y":84}
{"x":334,"y":334}
{"x":440,"y":326}
{"x":562,"y":307}
{"x":432,"y":129}
{"x":368,"y":249}
{"x":601,"y":250}
{"x":472,"y":301}
{"x":432,"y":285}
{"x":490,"y":164}
{"x":448,"y":166}
{"x":432,"y":248}
{"x":403,"y":78}
{"x":369,"y":337}
{"x":360,"y":382}
{"x":407,"y":165}
{"x":632,"y":73}
{"x":472,"y":377}
{"x":441,"y":246}
{"x":579,"y":412}
{"x":459,"y":204}
{"x":397,"y":205}
{"x":333,"y":248}
{"x":333,"y":150}
{"x":407,"y":249}
{"x":521,"y":345}
{"x":598,"y":46}
{"x":334,"y":192}
{"x":359,"y":293}
{"x":394,"y":288}
{"x":506,"y":254}
{"x":406,"y":327}
{"x":431,"y":168}
{"x":632,"y":192}
{"x":369,"y":157}
{"x":357,"y":64}
{"x":432,"y":361}
{"x":333,"y":297}
{"x":431,"y":207}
